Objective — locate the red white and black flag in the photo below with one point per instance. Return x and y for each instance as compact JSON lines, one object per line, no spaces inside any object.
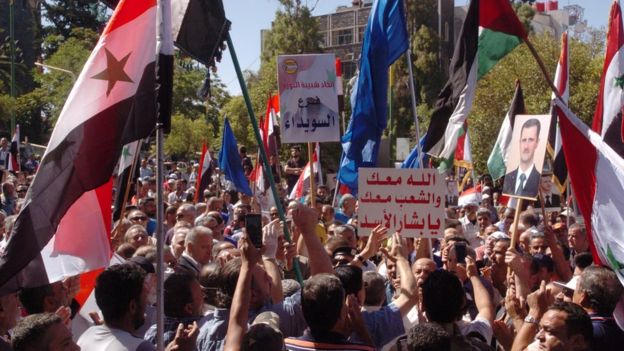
{"x":204,"y":173}
{"x":111,"y":104}
{"x":14,"y":159}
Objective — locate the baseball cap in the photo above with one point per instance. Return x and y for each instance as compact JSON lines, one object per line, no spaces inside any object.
{"x":173,"y":176}
{"x":264,"y":333}
{"x":570,"y":285}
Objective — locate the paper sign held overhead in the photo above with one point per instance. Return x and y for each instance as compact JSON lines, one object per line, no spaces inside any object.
{"x":409,"y":201}
{"x":308,"y":98}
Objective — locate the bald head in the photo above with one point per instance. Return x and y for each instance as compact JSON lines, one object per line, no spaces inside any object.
{"x":422,"y":268}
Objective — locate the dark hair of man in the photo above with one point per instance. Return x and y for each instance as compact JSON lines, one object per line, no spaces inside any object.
{"x":528,"y":219}
{"x":177,"y":291}
{"x":32,"y":332}
{"x":350,"y":277}
{"x":533,"y":122}
{"x":428,"y":337}
{"x":374,"y":284}
{"x":602,"y":287}
{"x":443,"y":297}
{"x":451,"y":223}
{"x":116,"y":287}
{"x":126,"y":250}
{"x":32,"y":298}
{"x":583,"y":260}
{"x":209,"y":279}
{"x":577,"y":320}
{"x":483,"y":212}
{"x":322,"y":301}
{"x":228,"y":278}
{"x":335,"y":242}
{"x":540,"y":261}
{"x":149,"y":252}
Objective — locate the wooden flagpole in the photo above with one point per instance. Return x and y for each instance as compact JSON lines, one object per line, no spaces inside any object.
{"x":312,"y":180}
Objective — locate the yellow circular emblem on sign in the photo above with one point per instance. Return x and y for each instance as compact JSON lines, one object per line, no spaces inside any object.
{"x":290,"y":66}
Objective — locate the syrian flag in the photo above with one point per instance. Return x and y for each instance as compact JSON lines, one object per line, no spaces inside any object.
{"x":339,"y":88}
{"x":469,"y":196}
{"x":63,"y":227}
{"x":560,"y":171}
{"x":608,"y":115}
{"x":268,"y":131}
{"x":204,"y":175}
{"x":128,"y":159}
{"x":597,"y":177}
{"x":490,"y":31}
{"x":14,"y":160}
{"x":303,"y":183}
{"x":497,"y":162}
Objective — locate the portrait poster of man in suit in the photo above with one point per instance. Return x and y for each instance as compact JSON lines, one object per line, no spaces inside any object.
{"x":526,"y":156}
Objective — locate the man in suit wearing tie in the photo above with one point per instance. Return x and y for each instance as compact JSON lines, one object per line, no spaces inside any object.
{"x":524,"y":180}
{"x":550,"y":199}
{"x":197,"y":251}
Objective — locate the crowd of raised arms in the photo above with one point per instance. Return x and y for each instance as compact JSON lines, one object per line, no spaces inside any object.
{"x":314,"y":283}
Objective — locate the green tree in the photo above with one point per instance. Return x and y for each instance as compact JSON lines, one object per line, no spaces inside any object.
{"x":54,"y":85}
{"x":64,"y":16}
{"x":186,"y":137}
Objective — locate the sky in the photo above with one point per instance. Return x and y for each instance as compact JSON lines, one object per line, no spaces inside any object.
{"x":248,"y":17}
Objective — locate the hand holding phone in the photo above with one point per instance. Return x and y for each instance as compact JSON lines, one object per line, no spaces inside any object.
{"x":253,"y":226}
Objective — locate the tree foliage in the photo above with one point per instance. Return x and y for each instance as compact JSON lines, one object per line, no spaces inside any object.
{"x":64,"y":16}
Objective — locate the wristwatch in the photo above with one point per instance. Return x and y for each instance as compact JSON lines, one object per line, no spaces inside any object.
{"x":531,"y":319}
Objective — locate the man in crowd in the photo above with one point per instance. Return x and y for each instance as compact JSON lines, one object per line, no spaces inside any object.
{"x":197,"y":251}
{"x":294,"y":167}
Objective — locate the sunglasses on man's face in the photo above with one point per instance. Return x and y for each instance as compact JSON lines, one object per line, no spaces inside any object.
{"x":138,"y":218}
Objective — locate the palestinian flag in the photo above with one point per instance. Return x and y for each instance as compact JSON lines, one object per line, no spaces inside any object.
{"x":560,"y":171}
{"x":63,"y":228}
{"x":14,"y":159}
{"x":490,"y":31}
{"x":608,"y":115}
{"x":126,"y":169}
{"x":204,"y":174}
{"x":497,"y":162}
{"x":462,"y":157}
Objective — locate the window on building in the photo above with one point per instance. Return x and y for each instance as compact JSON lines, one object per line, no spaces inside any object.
{"x":348,"y":71}
{"x":361,"y":34}
{"x":343,"y":37}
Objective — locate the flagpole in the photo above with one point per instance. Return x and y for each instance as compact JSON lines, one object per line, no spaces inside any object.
{"x":542,"y":67}
{"x":414,"y":108}
{"x":265,"y":160}
{"x":312,"y":180}
{"x":164,"y":43}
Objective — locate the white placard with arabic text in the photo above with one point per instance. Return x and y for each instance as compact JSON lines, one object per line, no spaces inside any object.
{"x":409,"y":201}
{"x":308,"y":98}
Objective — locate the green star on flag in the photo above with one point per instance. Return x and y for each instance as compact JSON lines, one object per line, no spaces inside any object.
{"x":615,"y":264}
{"x":619,"y":81}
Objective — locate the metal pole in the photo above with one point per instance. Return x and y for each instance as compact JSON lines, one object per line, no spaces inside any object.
{"x":413,"y":93}
{"x":164,"y":44}
{"x":12,"y":40}
{"x":54,"y":68}
{"x":263,"y":155}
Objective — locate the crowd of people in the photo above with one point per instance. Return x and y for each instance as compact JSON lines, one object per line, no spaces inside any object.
{"x":315,"y":284}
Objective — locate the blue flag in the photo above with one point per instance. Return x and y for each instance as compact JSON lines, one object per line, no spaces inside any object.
{"x":385,"y":39}
{"x":230,"y":161}
{"x":412,"y":159}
